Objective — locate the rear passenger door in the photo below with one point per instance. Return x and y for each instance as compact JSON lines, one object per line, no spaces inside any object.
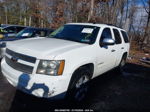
{"x":126,"y":40}
{"x":119,"y":47}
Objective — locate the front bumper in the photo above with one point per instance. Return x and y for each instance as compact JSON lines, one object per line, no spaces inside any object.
{"x":2,"y":52}
{"x":37,"y":84}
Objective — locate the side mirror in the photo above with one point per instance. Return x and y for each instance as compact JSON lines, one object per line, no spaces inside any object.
{"x":107,"y":41}
{"x":2,"y":45}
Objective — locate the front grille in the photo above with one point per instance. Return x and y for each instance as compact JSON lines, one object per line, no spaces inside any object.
{"x":21,"y":56}
{"x":18,"y":66}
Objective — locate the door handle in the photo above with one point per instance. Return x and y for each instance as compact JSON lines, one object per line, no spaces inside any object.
{"x":122,"y":47}
{"x":113,"y":50}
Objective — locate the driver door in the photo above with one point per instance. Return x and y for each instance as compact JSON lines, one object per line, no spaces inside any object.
{"x":106,"y":55}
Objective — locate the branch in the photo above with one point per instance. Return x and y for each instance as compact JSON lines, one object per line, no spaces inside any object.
{"x":144,"y":6}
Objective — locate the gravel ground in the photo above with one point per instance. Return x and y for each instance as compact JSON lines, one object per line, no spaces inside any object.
{"x":109,"y":92}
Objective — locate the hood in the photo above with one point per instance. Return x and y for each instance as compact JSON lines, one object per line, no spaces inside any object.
{"x":43,"y":48}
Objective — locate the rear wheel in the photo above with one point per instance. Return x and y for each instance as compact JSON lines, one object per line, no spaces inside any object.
{"x":78,"y":87}
{"x":122,"y":64}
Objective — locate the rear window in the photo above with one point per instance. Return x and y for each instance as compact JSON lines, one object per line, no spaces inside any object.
{"x":125,"y":37}
{"x":117,"y":36}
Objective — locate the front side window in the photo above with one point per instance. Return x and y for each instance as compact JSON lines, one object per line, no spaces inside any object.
{"x":77,"y":33}
{"x":117,"y":36}
{"x":106,"y":34}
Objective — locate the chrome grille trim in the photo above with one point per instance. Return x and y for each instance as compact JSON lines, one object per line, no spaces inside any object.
{"x":21,"y":56}
{"x":18,"y":66}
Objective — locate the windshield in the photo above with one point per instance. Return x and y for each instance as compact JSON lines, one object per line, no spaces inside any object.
{"x":78,"y":33}
{"x":32,"y":32}
{"x":28,"y":32}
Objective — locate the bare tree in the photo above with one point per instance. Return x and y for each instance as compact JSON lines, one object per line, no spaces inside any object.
{"x":91,"y":12}
{"x":146,"y":39}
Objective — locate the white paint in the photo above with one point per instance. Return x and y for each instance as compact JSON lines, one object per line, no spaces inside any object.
{"x":75,"y":55}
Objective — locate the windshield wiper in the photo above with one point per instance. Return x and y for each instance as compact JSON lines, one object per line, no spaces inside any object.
{"x":76,"y":41}
{"x":68,"y":39}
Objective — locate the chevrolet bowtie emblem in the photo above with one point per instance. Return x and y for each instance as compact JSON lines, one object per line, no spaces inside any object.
{"x":14,"y":59}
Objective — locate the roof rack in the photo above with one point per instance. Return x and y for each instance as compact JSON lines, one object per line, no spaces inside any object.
{"x":107,"y":24}
{"x":113,"y":25}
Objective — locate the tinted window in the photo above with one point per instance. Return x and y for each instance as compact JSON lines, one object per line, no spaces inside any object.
{"x":105,"y":34}
{"x":27,"y":32}
{"x":41,"y":33}
{"x":117,"y":36}
{"x":77,"y":33}
{"x":125,"y":36}
{"x":19,"y":29}
{"x":32,"y":32}
{"x":10,"y":29}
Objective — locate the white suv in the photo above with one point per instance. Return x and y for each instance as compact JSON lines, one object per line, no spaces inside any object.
{"x":61,"y":64}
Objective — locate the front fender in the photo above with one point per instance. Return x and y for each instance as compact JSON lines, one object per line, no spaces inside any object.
{"x":75,"y":66}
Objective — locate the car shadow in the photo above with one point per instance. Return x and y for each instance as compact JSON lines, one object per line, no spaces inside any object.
{"x":102,"y":88}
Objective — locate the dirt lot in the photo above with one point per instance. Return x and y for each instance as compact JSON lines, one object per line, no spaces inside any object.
{"x":111,"y":91}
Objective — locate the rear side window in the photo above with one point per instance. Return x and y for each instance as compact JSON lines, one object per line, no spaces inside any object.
{"x":19,"y":29}
{"x":125,"y":37}
{"x":117,"y":36}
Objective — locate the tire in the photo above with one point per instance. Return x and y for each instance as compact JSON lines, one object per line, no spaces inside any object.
{"x":122,"y":64}
{"x":78,"y":86}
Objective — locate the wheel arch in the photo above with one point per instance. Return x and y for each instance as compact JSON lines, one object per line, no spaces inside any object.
{"x":125,"y":54}
{"x":88,"y":66}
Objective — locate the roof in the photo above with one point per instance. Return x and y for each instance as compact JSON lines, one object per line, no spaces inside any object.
{"x":7,"y":26}
{"x":38,"y":28}
{"x":98,"y":25}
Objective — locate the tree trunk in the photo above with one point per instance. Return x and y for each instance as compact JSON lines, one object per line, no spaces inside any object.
{"x":6,"y":15}
{"x":127,"y":9}
{"x":30,"y":19}
{"x":91,"y":12}
{"x":127,"y":24}
{"x":25,"y":21}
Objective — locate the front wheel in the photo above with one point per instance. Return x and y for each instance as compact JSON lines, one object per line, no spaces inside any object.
{"x":78,"y":87}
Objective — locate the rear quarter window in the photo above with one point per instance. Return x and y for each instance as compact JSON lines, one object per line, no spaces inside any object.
{"x":125,"y":37}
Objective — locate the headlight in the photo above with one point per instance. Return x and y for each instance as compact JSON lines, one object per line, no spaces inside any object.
{"x":2,"y":45}
{"x":1,"y":36}
{"x":51,"y":67}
